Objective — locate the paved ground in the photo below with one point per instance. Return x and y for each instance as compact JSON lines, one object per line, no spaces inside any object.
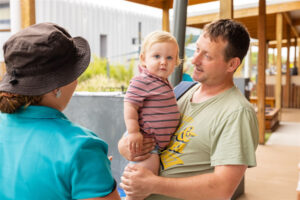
{"x":276,"y":176}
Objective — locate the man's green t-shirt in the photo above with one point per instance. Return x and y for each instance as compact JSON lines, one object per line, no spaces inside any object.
{"x":222,"y":130}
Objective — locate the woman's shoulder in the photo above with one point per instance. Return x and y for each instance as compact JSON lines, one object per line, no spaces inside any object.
{"x":75,"y":135}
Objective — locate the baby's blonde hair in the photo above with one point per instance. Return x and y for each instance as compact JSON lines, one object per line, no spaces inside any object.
{"x":159,"y":37}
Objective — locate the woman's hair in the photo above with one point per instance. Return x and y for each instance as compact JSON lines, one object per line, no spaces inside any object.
{"x":159,"y":37}
{"x":9,"y":102}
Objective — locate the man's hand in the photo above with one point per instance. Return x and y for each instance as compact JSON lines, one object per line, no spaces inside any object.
{"x":136,"y":181}
{"x":135,"y":142}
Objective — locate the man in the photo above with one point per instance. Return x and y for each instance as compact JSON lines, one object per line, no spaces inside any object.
{"x":218,"y":134}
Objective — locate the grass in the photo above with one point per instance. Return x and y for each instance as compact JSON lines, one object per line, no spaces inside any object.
{"x":100,"y":83}
{"x":267,"y":136}
{"x":95,"y":78}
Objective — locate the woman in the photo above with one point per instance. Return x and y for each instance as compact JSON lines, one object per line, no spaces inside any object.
{"x":42,"y":154}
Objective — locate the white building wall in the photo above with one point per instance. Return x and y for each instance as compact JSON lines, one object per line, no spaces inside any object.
{"x":90,"y":18}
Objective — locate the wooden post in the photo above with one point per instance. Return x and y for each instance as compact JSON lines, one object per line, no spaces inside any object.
{"x":286,"y":96}
{"x":2,"y":69}
{"x":226,"y":9}
{"x":261,"y":83}
{"x":295,"y":52}
{"x":250,"y":61}
{"x":165,"y":17}
{"x":298,"y":60}
{"x":279,"y":27}
{"x":27,"y":13}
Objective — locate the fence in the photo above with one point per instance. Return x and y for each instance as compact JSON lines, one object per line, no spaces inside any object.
{"x":294,"y":94}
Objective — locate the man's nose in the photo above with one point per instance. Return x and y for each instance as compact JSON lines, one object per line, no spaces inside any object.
{"x":197,"y":58}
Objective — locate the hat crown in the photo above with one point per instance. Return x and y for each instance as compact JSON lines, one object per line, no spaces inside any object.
{"x":41,"y":58}
{"x":38,"y":49}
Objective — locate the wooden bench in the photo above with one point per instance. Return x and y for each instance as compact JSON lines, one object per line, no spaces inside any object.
{"x":269,"y":101}
{"x":271,"y":119}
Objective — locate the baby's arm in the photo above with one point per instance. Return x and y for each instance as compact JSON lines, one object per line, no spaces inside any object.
{"x":131,"y":116}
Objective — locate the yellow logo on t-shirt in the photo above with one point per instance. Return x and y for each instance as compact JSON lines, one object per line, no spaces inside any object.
{"x":169,"y":157}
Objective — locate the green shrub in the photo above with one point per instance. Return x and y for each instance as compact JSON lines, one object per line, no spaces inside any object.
{"x":96,"y":67}
{"x":95,"y":78}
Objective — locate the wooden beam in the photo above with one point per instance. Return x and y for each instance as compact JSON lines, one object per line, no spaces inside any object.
{"x":286,"y":96}
{"x":247,"y":12}
{"x":165,"y":17}
{"x":279,"y":27}
{"x":2,"y":69}
{"x":159,"y":3}
{"x":226,"y":9}
{"x":27,"y":13}
{"x":261,"y":83}
{"x":296,"y":22}
{"x":289,"y":21}
{"x":298,"y":60}
{"x":295,"y":53}
{"x":273,"y":43}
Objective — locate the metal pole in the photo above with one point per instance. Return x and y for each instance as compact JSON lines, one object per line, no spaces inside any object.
{"x":179,"y":20}
{"x":140,"y":36}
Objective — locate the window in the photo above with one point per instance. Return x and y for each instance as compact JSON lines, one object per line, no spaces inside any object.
{"x":103,"y":46}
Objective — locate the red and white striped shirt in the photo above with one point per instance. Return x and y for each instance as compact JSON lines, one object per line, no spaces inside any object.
{"x":158,"y":112}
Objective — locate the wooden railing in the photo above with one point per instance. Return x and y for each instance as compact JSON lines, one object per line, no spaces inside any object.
{"x":294,"y":95}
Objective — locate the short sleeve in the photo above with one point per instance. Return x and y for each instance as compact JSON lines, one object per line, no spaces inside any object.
{"x":235,"y":139}
{"x":91,"y":172}
{"x":137,"y":91}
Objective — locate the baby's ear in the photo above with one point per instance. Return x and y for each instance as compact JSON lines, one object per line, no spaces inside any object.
{"x":142,"y":59}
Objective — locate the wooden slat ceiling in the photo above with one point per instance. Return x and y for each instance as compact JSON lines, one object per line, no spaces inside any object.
{"x":166,"y":3}
{"x":249,"y":17}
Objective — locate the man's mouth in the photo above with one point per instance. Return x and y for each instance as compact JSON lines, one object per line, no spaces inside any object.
{"x":199,"y":69}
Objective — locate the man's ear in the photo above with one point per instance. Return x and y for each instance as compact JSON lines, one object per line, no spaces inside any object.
{"x":234,"y":63}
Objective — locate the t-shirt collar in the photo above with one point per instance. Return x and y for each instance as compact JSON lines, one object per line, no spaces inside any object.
{"x":144,"y":70}
{"x":39,"y":112}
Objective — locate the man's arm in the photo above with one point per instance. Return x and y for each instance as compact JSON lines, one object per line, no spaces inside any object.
{"x":221,"y":184}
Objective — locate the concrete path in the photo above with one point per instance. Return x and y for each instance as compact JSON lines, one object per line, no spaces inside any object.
{"x":276,"y":176}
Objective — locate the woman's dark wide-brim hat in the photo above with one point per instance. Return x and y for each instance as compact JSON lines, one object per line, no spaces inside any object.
{"x":41,"y":58}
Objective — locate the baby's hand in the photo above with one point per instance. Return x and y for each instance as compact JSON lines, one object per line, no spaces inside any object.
{"x":135,"y":141}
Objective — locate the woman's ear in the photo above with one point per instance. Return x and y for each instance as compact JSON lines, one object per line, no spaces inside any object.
{"x":234,"y":63}
{"x":56,"y":92}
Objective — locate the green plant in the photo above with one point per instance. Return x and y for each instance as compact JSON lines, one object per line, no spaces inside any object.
{"x":96,"y":79}
{"x":96,"y":67}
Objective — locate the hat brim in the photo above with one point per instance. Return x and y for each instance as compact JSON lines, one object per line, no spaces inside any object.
{"x":61,"y":76}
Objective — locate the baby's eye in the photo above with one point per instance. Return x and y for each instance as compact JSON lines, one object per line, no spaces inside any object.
{"x":156,"y":56}
{"x":170,"y":58}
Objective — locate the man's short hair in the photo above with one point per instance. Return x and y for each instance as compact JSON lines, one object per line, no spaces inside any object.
{"x":233,"y":32}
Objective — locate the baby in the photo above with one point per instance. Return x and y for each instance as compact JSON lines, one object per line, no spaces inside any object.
{"x":150,"y":107}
